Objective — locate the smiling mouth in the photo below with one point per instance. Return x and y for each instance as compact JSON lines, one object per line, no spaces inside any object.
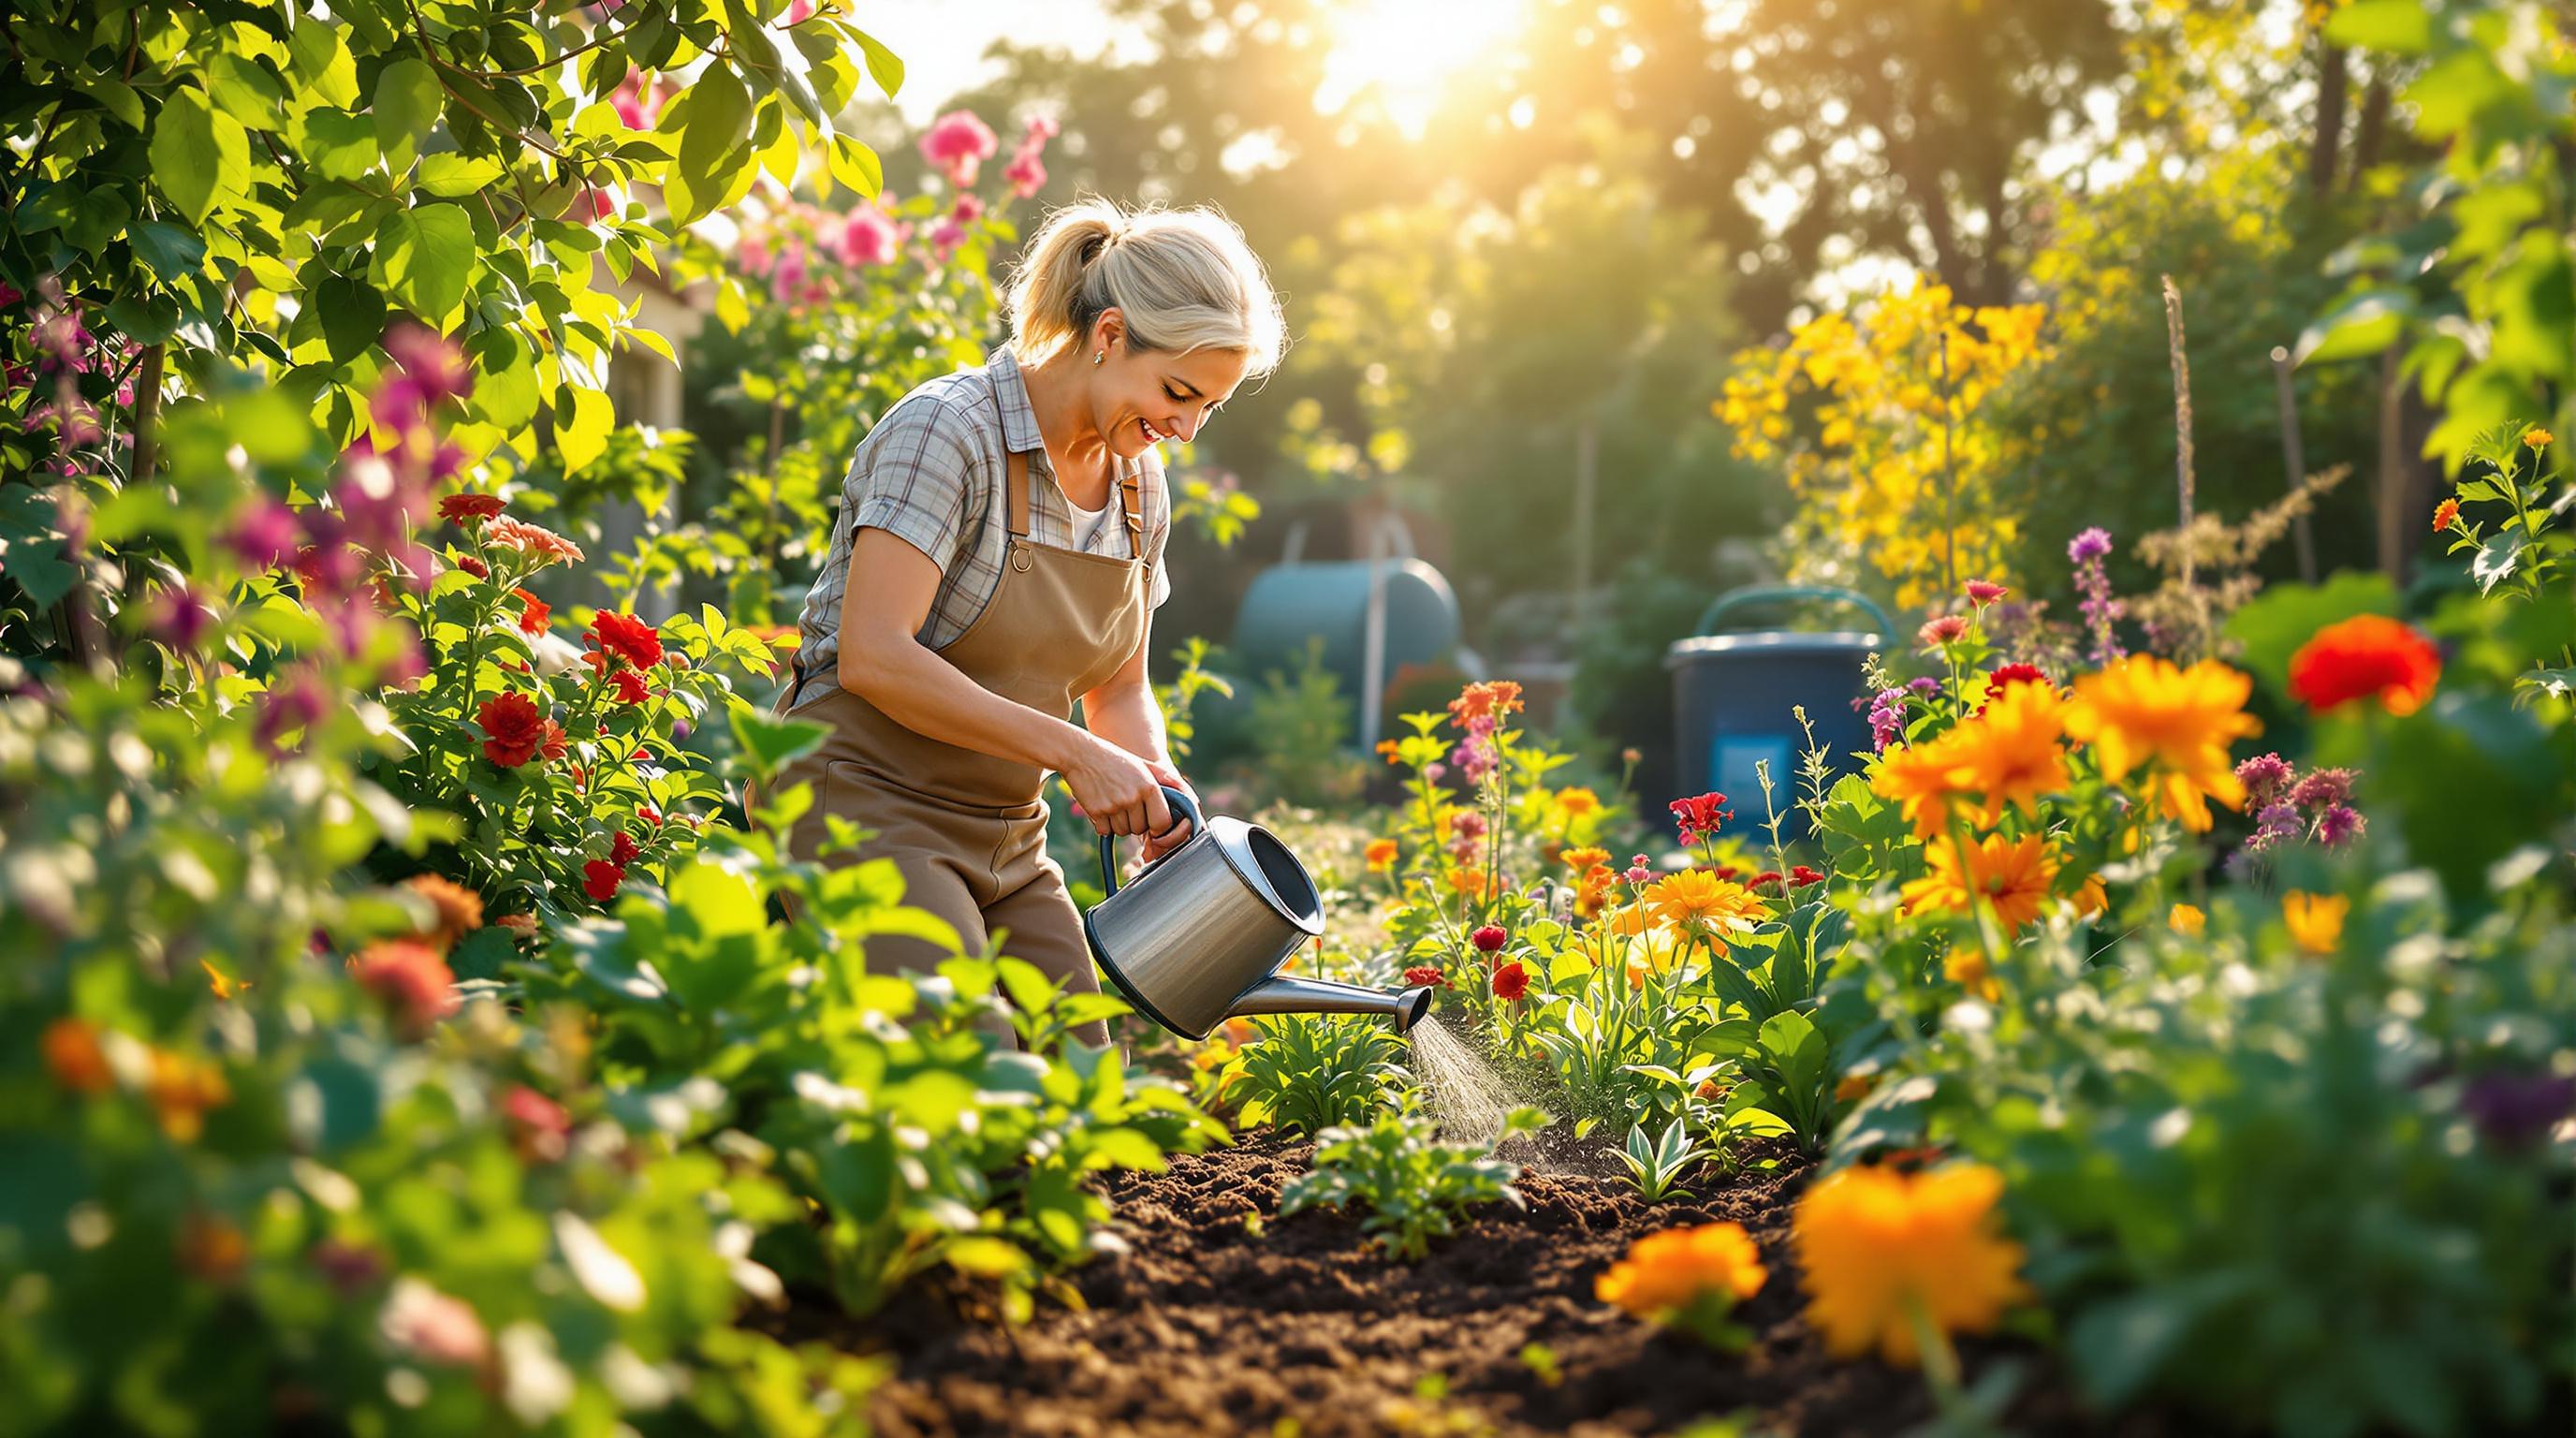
{"x":1152,"y":435}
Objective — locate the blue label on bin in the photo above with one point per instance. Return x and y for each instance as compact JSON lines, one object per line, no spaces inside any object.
{"x":1731,"y":758}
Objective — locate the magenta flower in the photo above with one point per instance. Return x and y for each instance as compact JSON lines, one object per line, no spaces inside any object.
{"x":1026,"y":173}
{"x":945,"y":237}
{"x":1942,"y":629}
{"x":957,"y":144}
{"x":2323,"y":789}
{"x":2339,"y":825}
{"x":870,"y":237}
{"x":180,"y":619}
{"x":1982,"y":592}
{"x":2265,"y":777}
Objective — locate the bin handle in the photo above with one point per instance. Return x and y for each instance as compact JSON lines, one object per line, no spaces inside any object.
{"x":1773,"y":593}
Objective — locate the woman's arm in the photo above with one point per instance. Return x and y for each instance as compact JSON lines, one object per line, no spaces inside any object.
{"x":1123,"y":711}
{"x":890,"y":589}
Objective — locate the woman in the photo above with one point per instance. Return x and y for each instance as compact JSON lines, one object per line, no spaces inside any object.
{"x":997,"y":557}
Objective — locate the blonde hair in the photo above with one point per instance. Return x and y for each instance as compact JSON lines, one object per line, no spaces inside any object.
{"x":1183,"y":279}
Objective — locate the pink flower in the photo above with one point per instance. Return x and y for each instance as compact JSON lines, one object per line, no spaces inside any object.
{"x":799,"y":11}
{"x":1982,"y":592}
{"x":1026,"y":173}
{"x":539,"y":1126}
{"x":751,"y":255}
{"x":945,"y":237}
{"x":869,"y":238}
{"x":414,"y":982}
{"x":265,"y":534}
{"x":1943,"y":629}
{"x":968,"y":210}
{"x":420,"y":1320}
{"x":180,"y":619}
{"x":957,"y":145}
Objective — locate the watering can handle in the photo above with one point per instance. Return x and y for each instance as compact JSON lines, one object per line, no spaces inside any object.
{"x":1773,"y":593}
{"x":1180,"y":802}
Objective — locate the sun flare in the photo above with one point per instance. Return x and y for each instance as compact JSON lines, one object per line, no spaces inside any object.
{"x":1402,"y":54}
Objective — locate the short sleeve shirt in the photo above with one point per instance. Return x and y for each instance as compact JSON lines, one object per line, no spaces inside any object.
{"x":932,"y":474}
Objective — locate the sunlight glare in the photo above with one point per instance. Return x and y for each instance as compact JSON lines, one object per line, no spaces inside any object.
{"x":1403,"y":53}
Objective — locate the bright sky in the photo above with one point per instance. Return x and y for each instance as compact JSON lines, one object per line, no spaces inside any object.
{"x":942,"y":42}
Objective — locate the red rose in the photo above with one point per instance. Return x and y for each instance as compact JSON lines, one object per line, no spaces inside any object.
{"x":627,"y":637}
{"x":415,"y":983}
{"x":1426,"y":976}
{"x":2364,"y":657}
{"x":461,"y":508}
{"x":629,"y":687}
{"x":534,"y":613}
{"x":1511,"y":981}
{"x":512,"y":729}
{"x":600,"y":878}
{"x":623,"y":851}
{"x":1489,"y":939}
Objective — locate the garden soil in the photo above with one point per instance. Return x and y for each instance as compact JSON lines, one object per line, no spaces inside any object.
{"x":1208,"y":1327}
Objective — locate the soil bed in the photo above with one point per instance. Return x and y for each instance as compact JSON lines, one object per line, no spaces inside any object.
{"x":1206,"y":1328}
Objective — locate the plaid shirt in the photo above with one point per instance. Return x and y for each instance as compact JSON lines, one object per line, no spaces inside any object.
{"x":931,"y":474}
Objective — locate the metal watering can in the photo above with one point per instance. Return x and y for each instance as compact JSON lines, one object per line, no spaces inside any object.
{"x":1198,"y":937}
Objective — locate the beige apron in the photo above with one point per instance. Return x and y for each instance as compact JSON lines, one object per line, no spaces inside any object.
{"x":967,"y":829}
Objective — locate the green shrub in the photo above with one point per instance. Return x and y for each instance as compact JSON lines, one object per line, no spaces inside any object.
{"x":1412,"y":1186}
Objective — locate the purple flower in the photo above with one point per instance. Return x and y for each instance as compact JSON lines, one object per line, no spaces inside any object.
{"x":180,"y":619}
{"x":295,"y":702}
{"x":2339,"y":826}
{"x":2275,"y":824}
{"x":266,"y":533}
{"x":2092,"y":544}
{"x":1886,"y":717}
{"x":2323,"y":789}
{"x":2264,"y":777}
{"x":428,"y":372}
{"x":2517,"y":1110}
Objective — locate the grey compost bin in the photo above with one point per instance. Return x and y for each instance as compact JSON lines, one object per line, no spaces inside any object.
{"x":1289,"y":602}
{"x":1733,"y":693}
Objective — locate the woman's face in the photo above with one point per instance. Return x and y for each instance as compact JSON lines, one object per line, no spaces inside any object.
{"x":1140,"y":398}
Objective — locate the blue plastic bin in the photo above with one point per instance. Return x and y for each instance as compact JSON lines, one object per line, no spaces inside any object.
{"x":1733,"y":693}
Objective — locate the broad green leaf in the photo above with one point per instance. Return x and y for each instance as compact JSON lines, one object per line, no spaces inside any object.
{"x":30,"y":549}
{"x":770,"y":745}
{"x":855,"y":165}
{"x":339,"y":145}
{"x":2362,"y":324}
{"x":424,"y":257}
{"x":352,"y":314}
{"x":505,"y":384}
{"x":171,"y":253}
{"x":884,"y":66}
{"x":200,"y":156}
{"x":2402,"y":27}
{"x":583,"y":435}
{"x":407,"y":106}
{"x":450,"y":175}
{"x":117,"y":97}
{"x":720,"y":900}
{"x":322,"y":61}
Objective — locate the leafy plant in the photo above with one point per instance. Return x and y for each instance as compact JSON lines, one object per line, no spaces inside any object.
{"x":1784,"y":1080}
{"x":1657,"y":1164}
{"x":1309,"y":1072}
{"x":1412,"y":1185}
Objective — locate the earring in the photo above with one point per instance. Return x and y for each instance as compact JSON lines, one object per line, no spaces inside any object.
{"x":1098,"y":355}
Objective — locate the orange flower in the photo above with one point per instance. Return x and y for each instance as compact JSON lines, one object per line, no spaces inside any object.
{"x":1878,"y":1245}
{"x":2445,"y":514}
{"x":2147,"y":712}
{"x":1697,"y":900}
{"x":459,"y":909}
{"x":2366,"y":656}
{"x":2011,"y":753}
{"x":2012,"y":874}
{"x":2187,"y":919}
{"x":212,"y":1249}
{"x":74,"y":1057}
{"x":2536,"y":437}
{"x":2092,"y":897}
{"x":1470,"y":882}
{"x":1380,"y":855}
{"x":1390,"y":751}
{"x":182,"y":1090}
{"x":1922,"y":779}
{"x":1592,"y":893}
{"x":1669,"y":1272}
{"x":1479,"y":701}
{"x":1578,"y":802}
{"x":2315,"y":920}
{"x":1967,"y":967}
{"x":1585,"y":859}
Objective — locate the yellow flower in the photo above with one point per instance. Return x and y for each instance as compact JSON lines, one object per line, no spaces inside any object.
{"x":1584,"y":859}
{"x":2011,"y":753}
{"x":1625,"y":919}
{"x":1578,"y":802}
{"x":1698,"y":900}
{"x":2315,"y":920}
{"x":2012,"y":874}
{"x":1922,"y":778}
{"x":1967,"y":967}
{"x":1876,"y":1244}
{"x":1651,"y":953}
{"x":2184,"y":919}
{"x":1668,"y":1271}
{"x":1380,"y":855}
{"x":2177,"y":723}
{"x":2536,"y":437}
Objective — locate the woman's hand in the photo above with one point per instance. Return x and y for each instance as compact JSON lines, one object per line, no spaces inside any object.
{"x":1157,"y":845}
{"x":1119,"y":793}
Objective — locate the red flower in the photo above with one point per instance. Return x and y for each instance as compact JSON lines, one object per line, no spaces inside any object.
{"x":627,"y":637}
{"x":2366,"y":656}
{"x":1511,"y":981}
{"x":415,"y":983}
{"x":534,"y":613}
{"x":600,"y":878}
{"x":539,"y":1126}
{"x":1800,"y":876}
{"x":623,"y":851}
{"x":551,"y":746}
{"x":1700,"y":816}
{"x":513,"y":729}
{"x":1768,"y":876}
{"x":1426,"y":976}
{"x":2446,"y":514}
{"x":629,"y":687}
{"x":473,"y":566}
{"x":1982,"y":592}
{"x":1489,"y":939}
{"x":2007,"y":675}
{"x":462,"y":508}
{"x":649,"y":814}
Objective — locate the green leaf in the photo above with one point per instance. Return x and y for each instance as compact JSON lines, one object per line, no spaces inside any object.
{"x":200,"y":157}
{"x":884,"y":66}
{"x":2360,"y":324}
{"x":322,"y":61}
{"x":340,"y":145}
{"x":352,"y":313}
{"x":2497,"y":559}
{"x":2403,"y":27}
{"x":170,"y":252}
{"x":769,"y":745}
{"x":423,"y":258}
{"x":30,"y":550}
{"x":505,"y":384}
{"x":116,"y":97}
{"x":582,"y":436}
{"x":449,"y":175}
{"x":716,"y":115}
{"x":407,"y":107}
{"x":855,"y":165}
{"x":721,"y":901}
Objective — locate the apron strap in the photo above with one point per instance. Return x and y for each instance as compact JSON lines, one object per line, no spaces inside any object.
{"x":1131,"y":501}
{"x":1016,"y":467}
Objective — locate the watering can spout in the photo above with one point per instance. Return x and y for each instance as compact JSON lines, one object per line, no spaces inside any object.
{"x":1281,"y":994}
